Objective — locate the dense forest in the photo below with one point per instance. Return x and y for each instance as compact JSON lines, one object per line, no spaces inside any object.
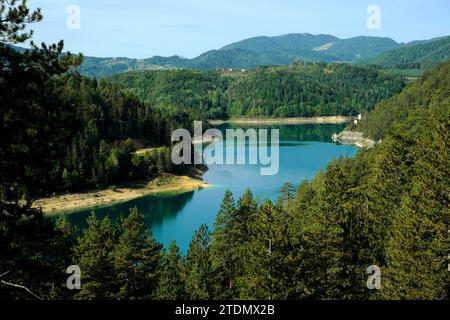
{"x":79,"y":133}
{"x":315,"y":89}
{"x":387,"y":207}
{"x":409,"y":103}
{"x":61,"y":131}
{"x":417,"y":55}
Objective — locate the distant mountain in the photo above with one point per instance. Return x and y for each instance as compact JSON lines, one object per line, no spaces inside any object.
{"x":253,"y":52}
{"x":320,"y":47}
{"x":416,"y":55}
{"x":295,"y":42}
{"x":283,"y":50}
{"x":101,"y":67}
{"x":16,"y":48}
{"x":361,"y":48}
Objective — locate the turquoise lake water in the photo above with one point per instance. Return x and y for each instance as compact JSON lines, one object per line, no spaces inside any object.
{"x":304,"y":150}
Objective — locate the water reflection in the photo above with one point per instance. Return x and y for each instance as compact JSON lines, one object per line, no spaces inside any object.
{"x":304,"y":150}
{"x":157,"y":209}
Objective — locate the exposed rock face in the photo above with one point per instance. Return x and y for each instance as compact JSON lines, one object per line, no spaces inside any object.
{"x":353,"y":137}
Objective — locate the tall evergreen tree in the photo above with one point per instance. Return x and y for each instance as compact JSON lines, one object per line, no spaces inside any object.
{"x":246,"y":207}
{"x":287,"y":193}
{"x":171,"y":282}
{"x":262,"y":265}
{"x":198,"y":266}
{"x":137,"y":257}
{"x":94,"y":256}
{"x":418,"y":246}
{"x":225,"y":257}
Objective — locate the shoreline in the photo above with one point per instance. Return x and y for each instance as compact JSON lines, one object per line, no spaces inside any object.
{"x":164,"y":184}
{"x":285,"y":121}
{"x":353,"y":138}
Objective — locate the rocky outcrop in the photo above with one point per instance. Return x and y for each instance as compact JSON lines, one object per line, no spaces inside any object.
{"x":353,"y":137}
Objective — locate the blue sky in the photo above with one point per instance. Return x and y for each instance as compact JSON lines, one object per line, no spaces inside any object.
{"x":144,"y":28}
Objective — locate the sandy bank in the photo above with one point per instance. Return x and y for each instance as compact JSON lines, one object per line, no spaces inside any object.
{"x":285,"y":121}
{"x":76,"y":201}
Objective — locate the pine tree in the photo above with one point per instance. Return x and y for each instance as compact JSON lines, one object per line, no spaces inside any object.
{"x":246,"y":207}
{"x":93,"y":255}
{"x":198,"y":266}
{"x":171,"y":283}
{"x":136,"y":258}
{"x":225,"y":257}
{"x":417,"y":247}
{"x":63,"y":248}
{"x":287,"y":193}
{"x":263,"y":271}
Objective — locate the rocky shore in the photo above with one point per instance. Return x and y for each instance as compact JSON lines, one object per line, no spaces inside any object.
{"x":284,"y":121}
{"x":353,"y":137}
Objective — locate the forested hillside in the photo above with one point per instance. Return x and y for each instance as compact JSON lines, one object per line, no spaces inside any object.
{"x":410,"y":103}
{"x":418,"y":55}
{"x":64,"y":132}
{"x":103,"y":67}
{"x":309,"y":90}
{"x":314,"y":89}
{"x":254,"y":52}
{"x":409,"y":59}
{"x":387,"y":207}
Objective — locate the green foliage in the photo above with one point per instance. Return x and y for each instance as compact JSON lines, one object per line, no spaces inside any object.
{"x":287,"y":193}
{"x":200,"y":92}
{"x":94,"y":257}
{"x":171,"y":281}
{"x":386,"y":207}
{"x":70,"y":132}
{"x":303,"y":90}
{"x":14,"y":18}
{"x":198,"y":266}
{"x":61,"y":131}
{"x":136,"y":259}
{"x":421,"y":55}
{"x":223,"y":252}
{"x":34,"y":253}
{"x":118,"y":261}
{"x":262,"y":255}
{"x":414,"y":99}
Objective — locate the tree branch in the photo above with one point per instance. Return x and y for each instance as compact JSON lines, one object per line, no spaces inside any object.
{"x":5,"y":273}
{"x":20,"y":287}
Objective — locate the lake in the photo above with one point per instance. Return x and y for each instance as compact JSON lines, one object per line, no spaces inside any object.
{"x":304,"y":150}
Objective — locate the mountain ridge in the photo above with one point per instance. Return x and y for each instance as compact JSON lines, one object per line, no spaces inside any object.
{"x":254,"y":52}
{"x":420,"y":55}
{"x":283,"y":50}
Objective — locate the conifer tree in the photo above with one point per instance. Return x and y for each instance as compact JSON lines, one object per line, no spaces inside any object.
{"x":63,"y":248}
{"x":94,"y":256}
{"x":198,"y":266}
{"x":136,"y":258}
{"x":262,"y":276}
{"x":287,"y":193}
{"x":246,"y":207}
{"x":171,"y":282}
{"x":417,"y":247}
{"x":225,"y":257}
